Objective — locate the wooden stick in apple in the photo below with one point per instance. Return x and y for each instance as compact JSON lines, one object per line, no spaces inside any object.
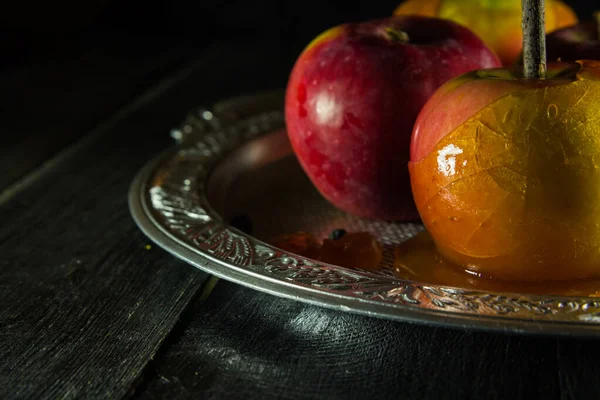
{"x":534,"y":39}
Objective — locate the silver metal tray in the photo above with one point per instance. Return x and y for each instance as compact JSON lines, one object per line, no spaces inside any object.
{"x":236,"y":158}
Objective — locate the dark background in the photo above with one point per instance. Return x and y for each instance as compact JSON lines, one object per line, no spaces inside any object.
{"x":36,"y":28}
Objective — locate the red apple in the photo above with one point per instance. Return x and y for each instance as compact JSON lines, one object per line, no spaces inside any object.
{"x":352,"y":99}
{"x":505,"y":172}
{"x":577,"y":42}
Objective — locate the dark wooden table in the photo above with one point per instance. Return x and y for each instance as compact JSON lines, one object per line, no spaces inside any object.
{"x":89,"y":308}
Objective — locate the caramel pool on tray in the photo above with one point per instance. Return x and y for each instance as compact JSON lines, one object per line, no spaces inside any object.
{"x":359,"y":250}
{"x":418,"y":260}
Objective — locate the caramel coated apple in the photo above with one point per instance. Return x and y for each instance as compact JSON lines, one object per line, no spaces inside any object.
{"x":505,"y":172}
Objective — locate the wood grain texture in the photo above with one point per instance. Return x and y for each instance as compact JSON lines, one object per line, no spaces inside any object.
{"x":84,"y":304}
{"x":245,"y":344}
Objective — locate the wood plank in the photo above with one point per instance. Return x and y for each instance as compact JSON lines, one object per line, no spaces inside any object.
{"x":84,"y":303}
{"x":49,"y":102}
{"x":244,"y":344}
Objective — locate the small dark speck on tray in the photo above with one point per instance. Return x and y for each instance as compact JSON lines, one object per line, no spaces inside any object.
{"x":337,"y":234}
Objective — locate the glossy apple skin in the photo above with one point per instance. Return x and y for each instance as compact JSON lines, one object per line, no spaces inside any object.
{"x":509,"y":185}
{"x":578,"y":42}
{"x":497,"y":22}
{"x":353,"y":97}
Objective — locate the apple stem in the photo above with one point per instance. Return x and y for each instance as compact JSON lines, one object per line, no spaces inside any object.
{"x":396,"y":35}
{"x":534,"y":39}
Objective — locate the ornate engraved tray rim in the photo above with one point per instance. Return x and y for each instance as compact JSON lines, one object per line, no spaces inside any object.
{"x":168,"y":201}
